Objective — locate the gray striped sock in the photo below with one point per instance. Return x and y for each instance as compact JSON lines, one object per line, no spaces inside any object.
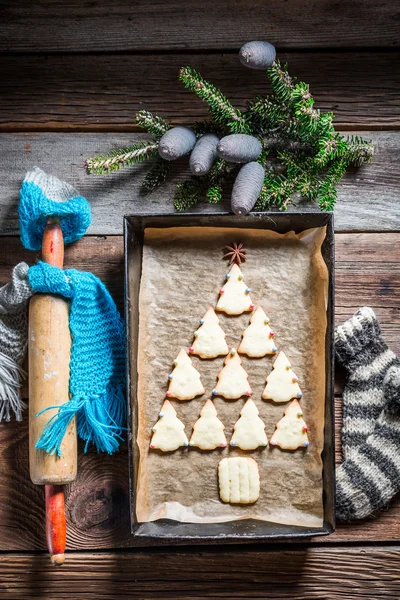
{"x":360,"y":348}
{"x":367,"y":481}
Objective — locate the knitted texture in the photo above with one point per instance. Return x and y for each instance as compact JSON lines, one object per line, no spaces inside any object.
{"x":368,"y":480}
{"x":97,"y":367}
{"x":42,"y":196}
{"x":13,"y":340}
{"x":362,"y":351}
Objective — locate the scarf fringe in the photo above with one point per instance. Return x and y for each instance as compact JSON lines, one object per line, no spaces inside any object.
{"x":11,"y":377}
{"x":100,"y":420}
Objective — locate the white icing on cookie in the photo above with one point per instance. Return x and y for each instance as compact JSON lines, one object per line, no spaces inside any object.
{"x":232,"y":380}
{"x":282,"y":383}
{"x":234,"y":297}
{"x":169,"y":431}
{"x":208,"y":431}
{"x":185,"y":381}
{"x":291,"y":431}
{"x":249,"y":429}
{"x":258,"y":338}
{"x":209,"y":339}
{"x":239,"y":480}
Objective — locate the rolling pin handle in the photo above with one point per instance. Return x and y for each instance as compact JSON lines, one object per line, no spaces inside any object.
{"x":55,"y":523}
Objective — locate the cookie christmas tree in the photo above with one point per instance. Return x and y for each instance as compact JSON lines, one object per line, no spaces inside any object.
{"x":249,"y":430}
{"x":232,"y":380}
{"x":282,"y":383}
{"x":234,"y":296}
{"x":208,"y":431}
{"x":209,"y":338}
{"x":185,"y":381}
{"x":291,"y":431}
{"x":169,"y":431}
{"x":258,"y":338}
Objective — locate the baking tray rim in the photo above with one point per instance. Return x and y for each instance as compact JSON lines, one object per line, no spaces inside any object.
{"x":175,"y":532}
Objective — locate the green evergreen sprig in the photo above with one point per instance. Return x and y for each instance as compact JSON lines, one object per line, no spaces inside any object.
{"x":214,"y":194}
{"x":152,"y":123}
{"x":187,"y":194}
{"x":157,"y":175}
{"x":309,"y":156}
{"x":116,"y":159}
{"x":222,"y":111}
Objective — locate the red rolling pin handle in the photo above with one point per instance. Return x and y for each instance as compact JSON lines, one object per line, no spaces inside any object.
{"x":55,"y":523}
{"x":53,"y":244}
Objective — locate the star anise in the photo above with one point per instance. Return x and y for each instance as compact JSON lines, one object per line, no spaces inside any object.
{"x":236,"y":253}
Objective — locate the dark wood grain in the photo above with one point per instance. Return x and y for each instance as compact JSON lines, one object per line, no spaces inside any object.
{"x":104,"y":92}
{"x":78,"y":66}
{"x":368,"y":198}
{"x":97,"y":503}
{"x":301,"y":574}
{"x":76,"y":26}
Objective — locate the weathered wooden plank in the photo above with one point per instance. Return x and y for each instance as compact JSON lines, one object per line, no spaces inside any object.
{"x":97,"y":503}
{"x":104,"y":92}
{"x":367,"y":198}
{"x":304,"y":574}
{"x":74,"y":26}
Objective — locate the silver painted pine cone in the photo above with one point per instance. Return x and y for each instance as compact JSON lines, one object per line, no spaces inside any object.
{"x":247,"y":188}
{"x":176,"y":142}
{"x":257,"y":55}
{"x":204,"y":154}
{"x":239,"y":148}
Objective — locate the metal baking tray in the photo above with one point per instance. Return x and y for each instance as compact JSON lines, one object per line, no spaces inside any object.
{"x":246,"y":530}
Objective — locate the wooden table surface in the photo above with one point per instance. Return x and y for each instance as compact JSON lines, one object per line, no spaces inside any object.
{"x":72,"y":75}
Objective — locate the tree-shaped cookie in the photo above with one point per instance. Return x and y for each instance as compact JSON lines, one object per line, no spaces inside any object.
{"x":291,"y":431}
{"x":209,"y":338}
{"x":234,"y":296}
{"x":169,"y":431}
{"x":232,"y":380}
{"x":282,"y":383}
{"x":258,"y":338}
{"x":184,"y":381}
{"x":249,"y":429}
{"x":208,"y":431}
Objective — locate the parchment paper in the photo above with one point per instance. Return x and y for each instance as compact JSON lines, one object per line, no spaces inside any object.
{"x":181,"y":275}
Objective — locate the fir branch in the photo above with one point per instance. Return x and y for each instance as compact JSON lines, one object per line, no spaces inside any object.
{"x":202,"y":127}
{"x":152,"y":123}
{"x":358,"y":151}
{"x":276,"y":191}
{"x":116,"y":159}
{"x":214,"y":194}
{"x":282,"y":83}
{"x":327,"y":190}
{"x":263,"y":115}
{"x":219,"y":106}
{"x":219,"y":171}
{"x":308,"y":117}
{"x":187,"y":194}
{"x":301,"y":93}
{"x":330,"y":148}
{"x":157,"y":174}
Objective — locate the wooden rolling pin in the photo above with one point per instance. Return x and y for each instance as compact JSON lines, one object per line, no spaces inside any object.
{"x":49,"y":356}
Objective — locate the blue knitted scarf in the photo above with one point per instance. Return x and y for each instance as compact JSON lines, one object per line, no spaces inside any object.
{"x":97,"y":365}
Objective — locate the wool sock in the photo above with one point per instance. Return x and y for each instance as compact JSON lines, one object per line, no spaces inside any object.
{"x":367,"y":481}
{"x":362,"y":351}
